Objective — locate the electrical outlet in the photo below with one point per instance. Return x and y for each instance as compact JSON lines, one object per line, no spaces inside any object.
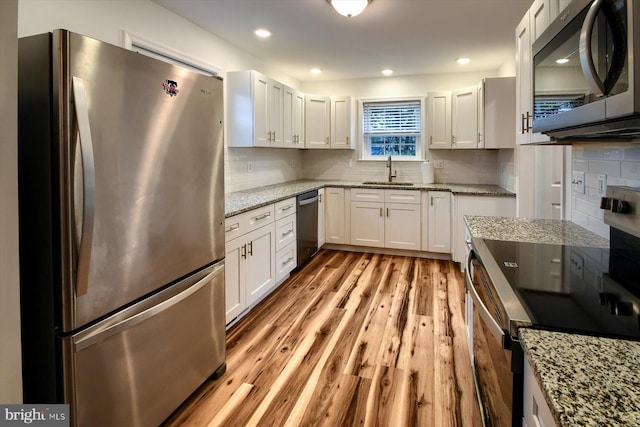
{"x":602,"y":185}
{"x":438,"y":164}
{"x":577,"y":182}
{"x":249,"y":167}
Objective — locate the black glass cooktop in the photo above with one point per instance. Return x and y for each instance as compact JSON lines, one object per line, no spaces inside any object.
{"x":571,"y":288}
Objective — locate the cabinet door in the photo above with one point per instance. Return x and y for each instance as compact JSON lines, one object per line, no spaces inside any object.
{"x":402,"y":226}
{"x":317,"y":121}
{"x":260,"y":263}
{"x":288,"y":119}
{"x":498,"y":101}
{"x":235,"y":257}
{"x":321,"y":213}
{"x":439,"y":119}
{"x":367,"y":224}
{"x":298,"y":119}
{"x":481,"y":95}
{"x":261,"y":131}
{"x":341,"y":123}
{"x":464,"y":118}
{"x":439,"y":223}
{"x":276,"y":97}
{"x":539,"y":15}
{"x":335,"y":216}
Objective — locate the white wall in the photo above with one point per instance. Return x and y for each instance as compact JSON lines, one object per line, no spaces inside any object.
{"x":10,"y":363}
{"x":619,"y":162}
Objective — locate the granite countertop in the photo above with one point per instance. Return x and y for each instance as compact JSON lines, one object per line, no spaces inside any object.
{"x":242,"y":201}
{"x":550,"y":231}
{"x":587,"y":381}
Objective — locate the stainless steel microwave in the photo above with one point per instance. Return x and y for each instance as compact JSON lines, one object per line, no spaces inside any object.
{"x":585,"y":67}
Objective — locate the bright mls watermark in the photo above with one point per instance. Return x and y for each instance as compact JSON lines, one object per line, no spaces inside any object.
{"x":34,"y":415}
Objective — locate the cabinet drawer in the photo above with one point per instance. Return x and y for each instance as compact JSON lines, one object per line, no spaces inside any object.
{"x":286,"y":261}
{"x":402,"y":196}
{"x":234,"y":226}
{"x":285,"y":231}
{"x":285,"y":207}
{"x":243,"y":223}
{"x":259,"y":217}
{"x":367,"y":195}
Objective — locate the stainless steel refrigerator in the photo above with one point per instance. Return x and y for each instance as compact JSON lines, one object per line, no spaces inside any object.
{"x":121,"y":230}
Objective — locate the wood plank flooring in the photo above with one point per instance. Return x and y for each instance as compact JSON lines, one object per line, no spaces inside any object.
{"x":350,"y":339}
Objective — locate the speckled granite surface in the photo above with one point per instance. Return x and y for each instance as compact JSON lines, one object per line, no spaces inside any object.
{"x":533,"y":230}
{"x":587,"y":381}
{"x":242,"y":201}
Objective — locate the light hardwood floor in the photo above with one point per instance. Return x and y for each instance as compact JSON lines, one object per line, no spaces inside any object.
{"x":350,"y":339}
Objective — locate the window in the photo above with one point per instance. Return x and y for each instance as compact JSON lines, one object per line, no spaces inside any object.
{"x":392,"y":128}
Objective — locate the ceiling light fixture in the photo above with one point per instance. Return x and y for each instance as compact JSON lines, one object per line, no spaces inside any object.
{"x":349,"y":8}
{"x":562,"y":60}
{"x":463,"y":61}
{"x":315,"y":71}
{"x":387,"y":71}
{"x":262,"y":33}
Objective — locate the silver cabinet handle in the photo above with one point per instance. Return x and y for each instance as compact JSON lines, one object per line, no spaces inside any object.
{"x":232,"y":228}
{"x":387,"y":212}
{"x":250,"y":248}
{"x":380,"y":211}
{"x":263,"y":216}
{"x":287,"y":233}
{"x":287,"y":261}
{"x":431,"y":200}
{"x":286,"y":208}
{"x":453,"y":138}
{"x":244,"y":251}
{"x":328,"y":140}
{"x":586,"y":60}
{"x":85,"y":144}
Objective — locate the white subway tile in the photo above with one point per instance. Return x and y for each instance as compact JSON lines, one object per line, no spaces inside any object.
{"x":606,"y":167}
{"x":632,"y":153}
{"x":630,"y":170}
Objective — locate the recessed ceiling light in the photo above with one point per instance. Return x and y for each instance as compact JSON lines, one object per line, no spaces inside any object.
{"x":562,"y":60}
{"x":387,"y":71}
{"x":262,"y":33}
{"x":316,"y":71}
{"x":463,"y":61}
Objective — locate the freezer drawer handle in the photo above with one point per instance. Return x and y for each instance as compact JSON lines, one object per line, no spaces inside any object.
{"x":85,"y":145}
{"x":101,"y":334}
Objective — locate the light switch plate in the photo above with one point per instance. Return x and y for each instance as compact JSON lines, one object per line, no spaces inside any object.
{"x":577,"y":182}
{"x":602,"y":185}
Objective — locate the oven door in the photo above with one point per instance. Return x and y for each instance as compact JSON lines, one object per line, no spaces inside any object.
{"x":499,"y":388}
{"x":582,"y":66}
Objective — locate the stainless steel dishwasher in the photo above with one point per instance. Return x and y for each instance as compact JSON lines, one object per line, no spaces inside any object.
{"x":307,"y":229}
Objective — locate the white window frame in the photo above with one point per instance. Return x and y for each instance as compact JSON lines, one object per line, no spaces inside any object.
{"x":144,"y":46}
{"x":420,"y":146}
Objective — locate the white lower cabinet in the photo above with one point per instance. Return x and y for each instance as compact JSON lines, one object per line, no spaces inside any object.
{"x":385,"y":218}
{"x":535,"y":411}
{"x":250,"y":268}
{"x":436,"y":220}
{"x":321,"y":218}
{"x":286,"y":237}
{"x":335,"y":229}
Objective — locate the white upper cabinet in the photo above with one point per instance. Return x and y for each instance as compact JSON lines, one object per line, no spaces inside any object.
{"x":293,"y":118}
{"x":497,"y":100}
{"x":464,"y":118}
{"x":342,"y":124}
{"x":255,"y":110}
{"x":439,"y":119}
{"x":317,"y":121}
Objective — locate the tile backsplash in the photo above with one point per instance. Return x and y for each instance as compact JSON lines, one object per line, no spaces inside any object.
{"x":620,"y":163}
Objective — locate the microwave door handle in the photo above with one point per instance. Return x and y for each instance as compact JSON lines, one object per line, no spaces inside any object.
{"x":493,"y":326}
{"x":85,"y":145}
{"x":586,"y":60}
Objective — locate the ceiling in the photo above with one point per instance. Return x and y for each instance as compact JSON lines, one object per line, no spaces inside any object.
{"x":412,"y":37}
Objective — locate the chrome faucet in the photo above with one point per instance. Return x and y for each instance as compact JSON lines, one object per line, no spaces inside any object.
{"x":395,"y":174}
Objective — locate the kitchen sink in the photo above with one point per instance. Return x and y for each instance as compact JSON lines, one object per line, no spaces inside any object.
{"x":387,"y":183}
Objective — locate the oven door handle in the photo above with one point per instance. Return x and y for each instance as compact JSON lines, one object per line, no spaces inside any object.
{"x":493,"y":326}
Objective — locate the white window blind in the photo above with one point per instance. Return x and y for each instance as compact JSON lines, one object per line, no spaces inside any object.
{"x":391,"y":117}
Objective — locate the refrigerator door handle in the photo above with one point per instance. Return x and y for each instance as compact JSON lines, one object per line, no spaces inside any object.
{"x":99,"y":334}
{"x":85,"y":144}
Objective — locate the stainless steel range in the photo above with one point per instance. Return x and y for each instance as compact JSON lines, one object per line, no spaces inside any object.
{"x":586,"y":290}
